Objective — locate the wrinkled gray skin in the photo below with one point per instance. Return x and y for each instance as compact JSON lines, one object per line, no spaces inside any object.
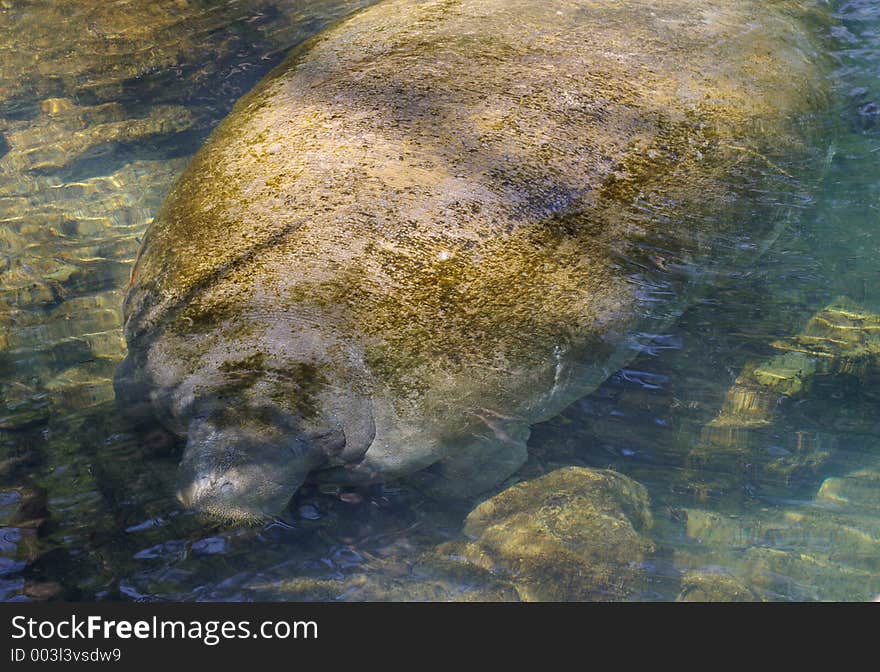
{"x":437,"y":223}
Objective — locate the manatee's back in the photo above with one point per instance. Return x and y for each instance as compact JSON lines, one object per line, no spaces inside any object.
{"x":468,"y":192}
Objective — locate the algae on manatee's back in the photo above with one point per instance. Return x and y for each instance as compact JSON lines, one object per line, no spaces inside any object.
{"x":437,"y":222}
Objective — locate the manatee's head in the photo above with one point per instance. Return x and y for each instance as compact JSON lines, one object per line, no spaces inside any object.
{"x":249,"y":471}
{"x":259,"y":426}
{"x":245,"y":462}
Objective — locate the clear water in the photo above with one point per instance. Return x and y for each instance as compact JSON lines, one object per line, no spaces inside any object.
{"x":100,"y":110}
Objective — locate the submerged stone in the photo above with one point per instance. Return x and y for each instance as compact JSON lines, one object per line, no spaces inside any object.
{"x":841,"y":340}
{"x":826,"y":550}
{"x":436,"y":223}
{"x":714,"y":586}
{"x":574,"y":534}
{"x":859,"y":489}
{"x":427,"y":578}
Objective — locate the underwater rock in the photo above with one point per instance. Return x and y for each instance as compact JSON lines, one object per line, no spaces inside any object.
{"x":27,"y":414}
{"x":43,"y":590}
{"x":806,"y":576}
{"x":427,"y":578}
{"x":843,"y":339}
{"x":436,"y":223}
{"x":714,"y":586}
{"x":574,"y":534}
{"x":80,"y":387}
{"x":859,"y":489}
{"x":54,"y":143}
{"x":826,"y":551}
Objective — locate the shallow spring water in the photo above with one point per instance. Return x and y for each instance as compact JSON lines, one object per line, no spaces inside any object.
{"x":100,"y":110}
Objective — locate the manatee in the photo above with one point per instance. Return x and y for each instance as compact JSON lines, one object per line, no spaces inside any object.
{"x":440,"y":222}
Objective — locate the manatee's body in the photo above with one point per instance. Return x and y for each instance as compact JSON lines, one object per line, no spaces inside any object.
{"x":437,"y":224}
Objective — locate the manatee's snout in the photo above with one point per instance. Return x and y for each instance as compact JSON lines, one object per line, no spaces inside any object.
{"x":234,"y":493}
{"x":260,"y":424}
{"x":243,"y":473}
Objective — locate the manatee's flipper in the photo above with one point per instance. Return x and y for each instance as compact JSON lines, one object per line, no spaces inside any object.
{"x":240,"y":472}
{"x":479,"y":465}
